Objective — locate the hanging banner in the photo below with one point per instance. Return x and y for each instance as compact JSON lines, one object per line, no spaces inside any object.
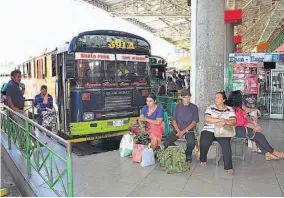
{"x":251,"y":84}
{"x":239,"y":68}
{"x":251,"y":68}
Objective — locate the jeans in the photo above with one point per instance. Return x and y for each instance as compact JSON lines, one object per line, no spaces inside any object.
{"x":39,"y":119}
{"x":259,"y":138}
{"x":190,"y":142}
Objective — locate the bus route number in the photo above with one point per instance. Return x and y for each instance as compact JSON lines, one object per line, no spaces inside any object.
{"x":121,"y":45}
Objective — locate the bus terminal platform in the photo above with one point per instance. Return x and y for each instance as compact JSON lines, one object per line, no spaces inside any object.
{"x":107,"y":174}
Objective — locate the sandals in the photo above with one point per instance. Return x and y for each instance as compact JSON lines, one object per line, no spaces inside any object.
{"x":280,"y":155}
{"x":231,"y":171}
{"x":203,"y":164}
{"x":269,"y":156}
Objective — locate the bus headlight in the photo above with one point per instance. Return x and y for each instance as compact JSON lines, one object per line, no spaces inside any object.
{"x":88,"y":116}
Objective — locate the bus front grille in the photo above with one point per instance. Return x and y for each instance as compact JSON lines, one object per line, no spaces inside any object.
{"x":117,"y":102}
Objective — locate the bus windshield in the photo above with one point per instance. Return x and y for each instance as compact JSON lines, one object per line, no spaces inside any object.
{"x":96,"y":72}
{"x":130,"y":71}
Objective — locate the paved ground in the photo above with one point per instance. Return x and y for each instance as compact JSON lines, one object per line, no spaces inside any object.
{"x":7,"y":182}
{"x":107,"y":174}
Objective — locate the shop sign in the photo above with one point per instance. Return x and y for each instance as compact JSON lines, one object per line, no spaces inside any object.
{"x":256,"y":57}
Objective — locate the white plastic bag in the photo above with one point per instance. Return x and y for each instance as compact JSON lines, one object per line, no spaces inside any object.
{"x":148,"y":158}
{"x":126,"y":145}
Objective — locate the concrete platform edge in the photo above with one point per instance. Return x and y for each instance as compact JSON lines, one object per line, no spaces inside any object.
{"x":24,"y":187}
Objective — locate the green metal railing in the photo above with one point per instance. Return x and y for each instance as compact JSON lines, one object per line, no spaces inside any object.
{"x":54,"y":168}
{"x":168,"y":103}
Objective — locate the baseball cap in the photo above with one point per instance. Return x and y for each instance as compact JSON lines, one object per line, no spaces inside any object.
{"x":185,"y":93}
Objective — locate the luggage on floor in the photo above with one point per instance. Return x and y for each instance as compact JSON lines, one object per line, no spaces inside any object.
{"x":137,"y":153}
{"x":126,"y":145}
{"x":173,"y":159}
{"x":148,"y":158}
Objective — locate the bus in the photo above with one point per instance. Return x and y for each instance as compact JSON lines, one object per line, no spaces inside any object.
{"x":99,"y":82}
{"x":157,"y":73}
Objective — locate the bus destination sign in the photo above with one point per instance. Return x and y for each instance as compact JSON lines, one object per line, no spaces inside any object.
{"x":111,"y":42}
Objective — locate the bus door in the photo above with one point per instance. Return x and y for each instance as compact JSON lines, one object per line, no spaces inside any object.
{"x":68,"y":75}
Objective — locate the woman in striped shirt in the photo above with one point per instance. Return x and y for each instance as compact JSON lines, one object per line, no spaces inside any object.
{"x":218,"y":114}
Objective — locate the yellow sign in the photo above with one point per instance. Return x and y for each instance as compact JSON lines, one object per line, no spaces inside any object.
{"x":121,"y":45}
{"x":185,"y":63}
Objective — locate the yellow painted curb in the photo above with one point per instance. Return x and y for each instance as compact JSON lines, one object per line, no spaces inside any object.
{"x":4,"y":192}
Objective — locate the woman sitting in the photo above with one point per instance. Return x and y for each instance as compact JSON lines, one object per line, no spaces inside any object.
{"x":152,"y":115}
{"x":246,"y":129}
{"x":218,"y":114}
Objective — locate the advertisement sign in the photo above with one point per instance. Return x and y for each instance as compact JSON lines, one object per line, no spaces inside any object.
{"x":251,"y":84}
{"x":256,"y":57}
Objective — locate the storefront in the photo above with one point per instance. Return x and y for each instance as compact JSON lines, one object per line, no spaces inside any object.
{"x":260,"y":77}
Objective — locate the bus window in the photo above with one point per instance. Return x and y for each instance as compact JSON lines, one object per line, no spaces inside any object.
{"x":131,"y":71}
{"x":95,"y":71}
{"x":39,"y":69}
{"x":29,"y":70}
{"x":53,"y":65}
{"x":35,"y":69}
{"x":44,"y":73}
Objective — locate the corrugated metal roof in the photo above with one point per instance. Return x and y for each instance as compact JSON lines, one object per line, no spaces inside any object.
{"x":170,"y":19}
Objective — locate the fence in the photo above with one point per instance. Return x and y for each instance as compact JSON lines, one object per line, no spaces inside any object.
{"x":55,"y":168}
{"x":168,"y":103}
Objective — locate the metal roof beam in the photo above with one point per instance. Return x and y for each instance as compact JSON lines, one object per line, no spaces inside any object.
{"x":275,"y":19}
{"x":252,"y":34}
{"x":138,"y":23}
{"x":142,"y":8}
{"x":97,"y":3}
{"x":141,"y":15}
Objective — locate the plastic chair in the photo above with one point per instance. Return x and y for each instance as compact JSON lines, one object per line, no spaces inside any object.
{"x":166,"y":123}
{"x":243,"y":142}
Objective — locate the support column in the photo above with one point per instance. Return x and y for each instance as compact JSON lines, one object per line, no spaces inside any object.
{"x":211,"y":43}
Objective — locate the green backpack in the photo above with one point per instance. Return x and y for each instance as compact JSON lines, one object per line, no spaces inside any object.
{"x":173,"y":159}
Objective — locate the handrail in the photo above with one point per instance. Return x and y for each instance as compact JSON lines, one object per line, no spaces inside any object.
{"x":168,"y":103}
{"x":19,"y":130}
{"x":59,"y":139}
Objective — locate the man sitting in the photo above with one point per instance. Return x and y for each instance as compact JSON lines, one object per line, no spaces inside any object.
{"x":43,"y":101}
{"x":184,"y":120}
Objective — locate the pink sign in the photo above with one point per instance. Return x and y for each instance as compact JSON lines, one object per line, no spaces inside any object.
{"x":251,"y":84}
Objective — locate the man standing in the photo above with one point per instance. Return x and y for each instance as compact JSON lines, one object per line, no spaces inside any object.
{"x":43,"y":101}
{"x":179,"y":84}
{"x":15,"y":99}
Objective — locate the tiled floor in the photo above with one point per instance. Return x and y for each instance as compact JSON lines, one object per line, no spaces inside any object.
{"x":108,"y":174}
{"x":8,"y":182}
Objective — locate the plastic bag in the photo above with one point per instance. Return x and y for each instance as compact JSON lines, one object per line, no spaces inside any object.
{"x":137,"y":152}
{"x":148,"y":158}
{"x":126,"y":145}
